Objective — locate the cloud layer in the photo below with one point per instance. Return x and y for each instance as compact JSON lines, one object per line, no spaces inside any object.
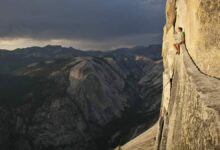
{"x":89,"y":22}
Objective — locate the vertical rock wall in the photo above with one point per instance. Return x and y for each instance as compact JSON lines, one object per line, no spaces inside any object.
{"x":190,"y":110}
{"x":201,"y":22}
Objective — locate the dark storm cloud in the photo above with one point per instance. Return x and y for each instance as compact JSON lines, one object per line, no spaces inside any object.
{"x":92,"y":20}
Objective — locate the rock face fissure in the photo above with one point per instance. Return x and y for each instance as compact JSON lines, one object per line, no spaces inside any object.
{"x":197,"y":67}
{"x":190,"y":110}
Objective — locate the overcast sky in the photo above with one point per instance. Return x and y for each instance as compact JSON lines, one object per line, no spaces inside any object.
{"x":84,"y":24}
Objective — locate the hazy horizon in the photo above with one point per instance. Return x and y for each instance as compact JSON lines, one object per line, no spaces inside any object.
{"x":44,"y":46}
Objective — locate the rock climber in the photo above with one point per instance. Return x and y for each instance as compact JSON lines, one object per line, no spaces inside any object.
{"x":179,"y":39}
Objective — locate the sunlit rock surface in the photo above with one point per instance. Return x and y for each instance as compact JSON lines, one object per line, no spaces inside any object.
{"x":190,"y":110}
{"x":200,"y":21}
{"x":145,"y":141}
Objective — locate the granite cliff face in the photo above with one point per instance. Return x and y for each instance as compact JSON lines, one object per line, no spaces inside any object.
{"x":54,"y":99}
{"x":190,"y":110}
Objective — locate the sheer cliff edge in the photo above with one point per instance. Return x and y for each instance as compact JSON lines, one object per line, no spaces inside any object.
{"x":190,"y":110}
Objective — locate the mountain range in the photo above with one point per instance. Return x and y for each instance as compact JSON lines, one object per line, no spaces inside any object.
{"x":57,"y":98}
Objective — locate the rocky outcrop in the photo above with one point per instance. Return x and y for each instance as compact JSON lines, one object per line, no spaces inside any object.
{"x":189,"y":118}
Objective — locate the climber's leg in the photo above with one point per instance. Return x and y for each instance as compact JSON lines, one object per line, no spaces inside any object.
{"x":177,"y":47}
